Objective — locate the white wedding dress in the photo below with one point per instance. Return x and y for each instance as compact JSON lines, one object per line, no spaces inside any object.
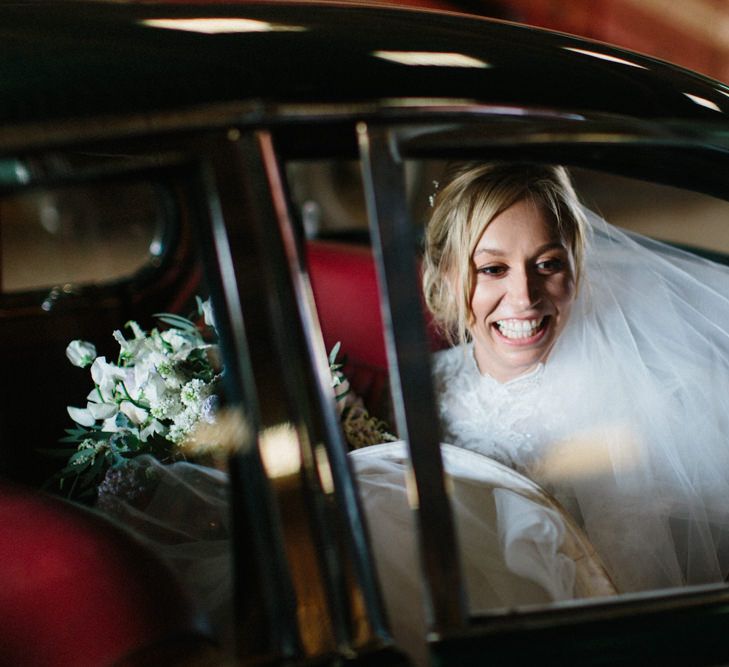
{"x":516,"y":545}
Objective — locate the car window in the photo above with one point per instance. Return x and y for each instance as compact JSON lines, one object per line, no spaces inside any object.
{"x":79,"y":261}
{"x":662,"y":212}
{"x":616,"y":422}
{"x":79,"y":235}
{"x":329,"y":199}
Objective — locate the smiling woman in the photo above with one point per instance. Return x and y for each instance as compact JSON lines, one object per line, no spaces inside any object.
{"x":589,"y":360}
{"x":523,"y":293}
{"x":504,"y":248}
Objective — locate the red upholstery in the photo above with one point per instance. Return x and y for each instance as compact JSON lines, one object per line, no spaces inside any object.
{"x":345,"y":288}
{"x":344,"y":281}
{"x":77,"y":591}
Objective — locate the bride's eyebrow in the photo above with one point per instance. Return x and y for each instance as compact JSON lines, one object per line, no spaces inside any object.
{"x":554,"y":245}
{"x":498,"y":252}
{"x":488,"y":251}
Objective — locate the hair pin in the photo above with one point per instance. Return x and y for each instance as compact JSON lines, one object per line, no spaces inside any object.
{"x":431,"y":198}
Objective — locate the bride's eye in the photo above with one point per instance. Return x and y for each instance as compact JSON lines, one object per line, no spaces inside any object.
{"x":491,"y":270}
{"x":551,"y":265}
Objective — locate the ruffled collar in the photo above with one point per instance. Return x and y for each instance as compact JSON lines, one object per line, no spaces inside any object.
{"x":527,"y":379}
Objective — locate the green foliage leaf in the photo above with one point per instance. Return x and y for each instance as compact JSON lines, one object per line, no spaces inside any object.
{"x":334,"y":352}
{"x":177,"y":321}
{"x":57,"y":452}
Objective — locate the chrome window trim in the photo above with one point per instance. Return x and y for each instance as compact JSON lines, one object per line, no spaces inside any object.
{"x":411,"y":384}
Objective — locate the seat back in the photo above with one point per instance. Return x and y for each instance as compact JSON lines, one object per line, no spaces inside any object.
{"x":344,"y":281}
{"x":78,"y":591}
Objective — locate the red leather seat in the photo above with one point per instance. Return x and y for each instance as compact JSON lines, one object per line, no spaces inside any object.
{"x":79,"y":592}
{"x":345,"y":288}
{"x":344,"y":282}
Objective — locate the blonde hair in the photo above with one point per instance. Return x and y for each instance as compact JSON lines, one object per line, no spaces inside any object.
{"x":474,"y":195}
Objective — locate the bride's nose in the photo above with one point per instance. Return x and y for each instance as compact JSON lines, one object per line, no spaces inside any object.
{"x":523,"y":289}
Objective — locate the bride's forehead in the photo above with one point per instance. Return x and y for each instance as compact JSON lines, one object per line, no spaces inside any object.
{"x":521,"y":225}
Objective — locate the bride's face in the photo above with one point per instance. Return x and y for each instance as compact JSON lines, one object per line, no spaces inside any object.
{"x":523,"y":293}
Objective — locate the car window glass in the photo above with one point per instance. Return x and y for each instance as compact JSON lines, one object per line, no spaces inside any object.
{"x":659,"y":211}
{"x":78,"y":235}
{"x":328,"y":197}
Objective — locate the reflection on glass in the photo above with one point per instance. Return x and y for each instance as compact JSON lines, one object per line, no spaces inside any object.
{"x":280,"y":450}
{"x":604,"y":56}
{"x":212,"y":26}
{"x":78,"y":235}
{"x":431,"y":59}
{"x":703,"y":102}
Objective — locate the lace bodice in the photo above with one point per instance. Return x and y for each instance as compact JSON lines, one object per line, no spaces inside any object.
{"x":511,"y":422}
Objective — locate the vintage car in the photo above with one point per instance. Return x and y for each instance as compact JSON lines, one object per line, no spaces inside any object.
{"x":278,"y":157}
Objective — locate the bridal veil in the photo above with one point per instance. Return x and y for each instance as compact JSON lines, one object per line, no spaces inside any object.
{"x":640,"y":377}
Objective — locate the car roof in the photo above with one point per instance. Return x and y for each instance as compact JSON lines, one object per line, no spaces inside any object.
{"x":76,"y":60}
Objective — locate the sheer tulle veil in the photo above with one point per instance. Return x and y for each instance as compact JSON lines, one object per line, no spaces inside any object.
{"x":641,"y":378}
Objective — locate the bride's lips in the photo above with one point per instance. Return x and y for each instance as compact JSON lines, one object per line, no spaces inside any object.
{"x":513,"y":325}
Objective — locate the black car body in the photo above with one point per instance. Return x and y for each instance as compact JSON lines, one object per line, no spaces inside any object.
{"x":205,"y":110}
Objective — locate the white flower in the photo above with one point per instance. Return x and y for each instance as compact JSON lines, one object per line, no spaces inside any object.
{"x":136,"y":330}
{"x":135,"y":414}
{"x":110,"y":425}
{"x":119,"y":338}
{"x":182,"y":424}
{"x":208,"y":315}
{"x":153,"y":427}
{"x":193,"y":393}
{"x":80,"y":353}
{"x":181,"y":346}
{"x":154,"y":390}
{"x":102,"y":410}
{"x":106,"y":376}
{"x":81,"y":416}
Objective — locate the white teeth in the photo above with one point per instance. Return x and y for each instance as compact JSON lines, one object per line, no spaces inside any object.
{"x":519,"y":328}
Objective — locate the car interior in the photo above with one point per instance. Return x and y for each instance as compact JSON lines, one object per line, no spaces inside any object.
{"x":314,"y":267}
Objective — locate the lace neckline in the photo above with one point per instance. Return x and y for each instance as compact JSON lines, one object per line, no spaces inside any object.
{"x":530,"y":378}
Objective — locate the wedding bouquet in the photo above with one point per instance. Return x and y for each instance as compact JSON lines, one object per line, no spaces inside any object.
{"x":163,"y":384}
{"x":157,"y":398}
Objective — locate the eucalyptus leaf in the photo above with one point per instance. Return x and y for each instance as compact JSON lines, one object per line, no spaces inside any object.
{"x":177,"y":321}
{"x":334,"y":352}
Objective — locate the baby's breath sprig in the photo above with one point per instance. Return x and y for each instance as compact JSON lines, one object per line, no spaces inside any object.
{"x":360,"y":428}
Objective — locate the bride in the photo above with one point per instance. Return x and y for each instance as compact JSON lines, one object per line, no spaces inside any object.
{"x":588,"y":365}
{"x":594,"y":362}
